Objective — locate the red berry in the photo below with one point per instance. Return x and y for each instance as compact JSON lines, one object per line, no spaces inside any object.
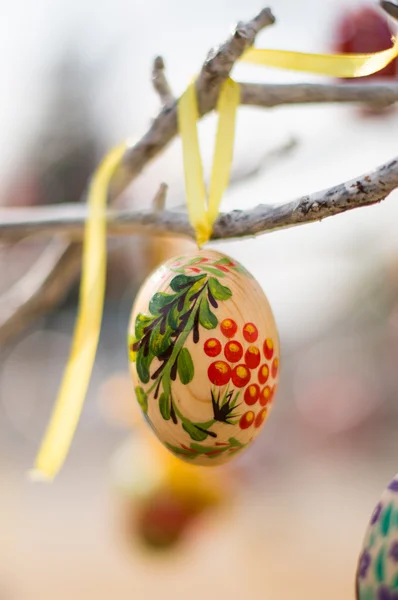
{"x":219,"y":372}
{"x":268,"y":348}
{"x":246,"y":420}
{"x":263,"y":374}
{"x":260,"y":417}
{"x":212,"y":347}
{"x":252,"y":393}
{"x":275,"y":366}
{"x":228,"y":328}
{"x":250,"y":332}
{"x":233,"y":351}
{"x":252,"y":357}
{"x":265,"y":396}
{"x":240,"y":376}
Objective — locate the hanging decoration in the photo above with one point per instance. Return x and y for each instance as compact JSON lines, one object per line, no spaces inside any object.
{"x":377,"y":572}
{"x":199,"y":405}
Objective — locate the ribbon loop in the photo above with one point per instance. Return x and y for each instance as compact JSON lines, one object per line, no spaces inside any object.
{"x":202,"y":214}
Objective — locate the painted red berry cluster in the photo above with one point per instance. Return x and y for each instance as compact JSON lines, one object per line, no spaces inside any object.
{"x":248,"y":368}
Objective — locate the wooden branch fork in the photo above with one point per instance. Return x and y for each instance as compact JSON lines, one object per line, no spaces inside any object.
{"x":48,"y":280}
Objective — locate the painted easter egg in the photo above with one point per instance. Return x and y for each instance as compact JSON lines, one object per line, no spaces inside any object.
{"x":377,"y":573}
{"x":204,"y":356}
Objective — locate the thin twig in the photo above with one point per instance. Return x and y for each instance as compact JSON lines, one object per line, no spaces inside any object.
{"x":242,"y":176}
{"x":160,"y":82}
{"x":41,"y":288}
{"x":271,"y":95}
{"x":361,"y":191}
{"x":391,"y":8}
{"x":159,"y":201}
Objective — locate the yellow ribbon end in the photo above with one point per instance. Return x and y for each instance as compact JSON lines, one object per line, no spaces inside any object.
{"x":68,"y":406}
{"x":333,"y":65}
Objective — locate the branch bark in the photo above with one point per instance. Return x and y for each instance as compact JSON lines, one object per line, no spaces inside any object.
{"x":365,"y":190}
{"x":160,"y":82}
{"x":271,"y":95}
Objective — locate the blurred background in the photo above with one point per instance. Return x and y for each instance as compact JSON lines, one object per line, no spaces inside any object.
{"x":290,"y":514}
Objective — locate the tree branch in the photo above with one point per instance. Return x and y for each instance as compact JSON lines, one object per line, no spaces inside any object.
{"x":50,"y":286}
{"x":51,"y":276}
{"x":214,"y":72}
{"x":361,"y":191}
{"x":271,"y":95}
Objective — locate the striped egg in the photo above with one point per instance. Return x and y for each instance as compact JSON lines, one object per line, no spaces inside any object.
{"x":377,"y":573}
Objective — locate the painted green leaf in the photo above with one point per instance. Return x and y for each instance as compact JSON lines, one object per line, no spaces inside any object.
{"x":185,"y":366}
{"x":379,"y":565}
{"x":130,"y":342}
{"x":235,"y":443}
{"x":181,"y":282}
{"x":143,"y":364}
{"x":394,"y":520}
{"x":182,"y":451}
{"x":212,"y":271}
{"x":223,"y":261}
{"x":219,"y":291}
{"x":194,"y":432}
{"x":367,"y":593}
{"x":159,"y":343}
{"x":173,"y":318}
{"x":372,"y":539}
{"x":385,"y":519}
{"x":141,"y":322}
{"x":158,"y":301}
{"x":394,"y":583}
{"x":142,"y":398}
{"x":164,"y":406}
{"x":207,"y":319}
{"x":193,"y":290}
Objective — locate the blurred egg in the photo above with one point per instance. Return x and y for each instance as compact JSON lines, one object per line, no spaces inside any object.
{"x":204,"y":356}
{"x":160,"y":497}
{"x":364,"y":29}
{"x":377,"y":573}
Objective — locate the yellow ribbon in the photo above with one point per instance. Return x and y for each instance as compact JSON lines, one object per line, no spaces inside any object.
{"x":202,"y":216}
{"x":333,"y":65}
{"x":76,"y":378}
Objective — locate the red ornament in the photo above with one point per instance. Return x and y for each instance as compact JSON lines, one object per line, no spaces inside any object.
{"x":266,"y":396}
{"x":268,"y":348}
{"x":274,"y":368}
{"x":365,"y":30}
{"x":240,"y":376}
{"x":263,"y":374}
{"x":219,"y":372}
{"x":250,"y":332}
{"x":260,"y":417}
{"x":212,"y":347}
{"x":246,"y":420}
{"x":252,"y":357}
{"x":228,"y":328}
{"x":233,"y":351}
{"x":252,"y":393}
